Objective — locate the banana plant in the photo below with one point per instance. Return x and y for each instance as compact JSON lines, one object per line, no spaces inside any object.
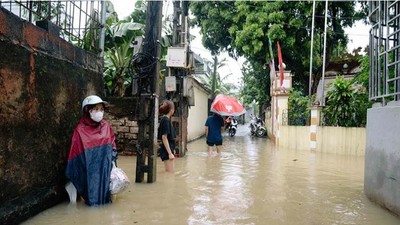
{"x":118,"y":53}
{"x":221,"y":84}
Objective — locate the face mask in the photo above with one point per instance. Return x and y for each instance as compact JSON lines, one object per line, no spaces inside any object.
{"x":96,"y":116}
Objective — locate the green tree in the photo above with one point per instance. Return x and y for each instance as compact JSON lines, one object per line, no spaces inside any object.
{"x":256,"y":85}
{"x":221,"y":86}
{"x":363,"y":76}
{"x":139,"y":14}
{"x":243,"y":27}
{"x":298,"y":108}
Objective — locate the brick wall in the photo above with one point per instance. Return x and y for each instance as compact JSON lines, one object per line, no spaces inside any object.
{"x":122,"y":115}
{"x":126,"y":132}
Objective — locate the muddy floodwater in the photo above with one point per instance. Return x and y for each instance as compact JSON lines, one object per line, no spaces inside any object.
{"x":250,"y":183}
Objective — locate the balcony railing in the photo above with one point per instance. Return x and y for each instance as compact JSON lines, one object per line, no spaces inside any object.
{"x":80,"y":22}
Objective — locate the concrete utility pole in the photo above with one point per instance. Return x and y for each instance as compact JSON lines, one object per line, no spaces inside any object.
{"x":175,"y":23}
{"x":184,"y":106}
{"x":148,"y":97}
{"x":180,"y":39}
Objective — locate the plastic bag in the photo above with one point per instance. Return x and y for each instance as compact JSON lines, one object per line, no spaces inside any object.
{"x":119,"y":181}
{"x":70,"y":188}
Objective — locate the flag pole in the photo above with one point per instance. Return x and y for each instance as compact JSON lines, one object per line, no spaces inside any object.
{"x":311,"y":52}
{"x":272,"y":73}
{"x":324,"y":61}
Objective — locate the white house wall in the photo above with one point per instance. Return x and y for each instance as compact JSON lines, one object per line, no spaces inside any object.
{"x":197,"y":113}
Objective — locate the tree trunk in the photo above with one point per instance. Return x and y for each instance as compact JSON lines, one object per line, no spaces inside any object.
{"x":214,"y":78}
{"x":120,"y":90}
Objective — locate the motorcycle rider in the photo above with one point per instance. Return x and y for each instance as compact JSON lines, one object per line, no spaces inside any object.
{"x":233,"y":122}
{"x":228,"y":121}
{"x":257,"y":126}
{"x":232,"y":127}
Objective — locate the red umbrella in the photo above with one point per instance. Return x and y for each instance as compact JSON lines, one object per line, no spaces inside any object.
{"x":227,"y":106}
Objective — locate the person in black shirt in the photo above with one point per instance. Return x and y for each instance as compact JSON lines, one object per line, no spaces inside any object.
{"x":166,"y":134}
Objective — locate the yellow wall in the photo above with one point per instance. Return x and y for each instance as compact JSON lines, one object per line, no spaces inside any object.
{"x":341,"y":140}
{"x":337,"y":140}
{"x":294,"y":137}
{"x":268,"y":123}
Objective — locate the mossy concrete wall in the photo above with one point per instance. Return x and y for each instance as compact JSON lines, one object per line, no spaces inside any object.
{"x":43,"y":80}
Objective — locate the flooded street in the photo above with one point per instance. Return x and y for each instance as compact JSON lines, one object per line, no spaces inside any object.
{"x":251,"y":183}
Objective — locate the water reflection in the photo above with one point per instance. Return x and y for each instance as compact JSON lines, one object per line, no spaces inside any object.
{"x":250,"y":183}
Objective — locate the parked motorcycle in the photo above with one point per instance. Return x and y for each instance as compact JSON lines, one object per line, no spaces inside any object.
{"x":257,"y":127}
{"x":232,"y":127}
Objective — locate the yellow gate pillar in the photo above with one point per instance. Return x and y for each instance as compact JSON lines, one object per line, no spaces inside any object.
{"x":279,"y":104}
{"x":315,"y":122}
